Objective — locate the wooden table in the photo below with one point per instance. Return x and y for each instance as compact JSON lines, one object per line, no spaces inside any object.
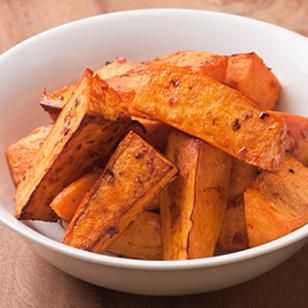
{"x":26,"y":280}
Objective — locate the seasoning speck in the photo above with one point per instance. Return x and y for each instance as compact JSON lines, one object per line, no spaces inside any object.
{"x":291,"y":171}
{"x":263,"y":115}
{"x":258,"y":172}
{"x":236,"y":125}
{"x":60,"y":97}
{"x":108,"y":171}
{"x":108,"y":62}
{"x":139,"y":155}
{"x":65,"y":131}
{"x":175,"y":83}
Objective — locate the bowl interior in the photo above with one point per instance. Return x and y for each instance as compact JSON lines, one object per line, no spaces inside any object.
{"x":59,"y":56}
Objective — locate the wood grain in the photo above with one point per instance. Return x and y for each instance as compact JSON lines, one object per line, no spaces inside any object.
{"x":28,"y":281}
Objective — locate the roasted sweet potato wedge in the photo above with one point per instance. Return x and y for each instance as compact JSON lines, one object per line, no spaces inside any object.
{"x":202,"y":107}
{"x":233,"y":234}
{"x":210,"y":64}
{"x":192,"y":207}
{"x":277,"y":202}
{"x":298,"y":134}
{"x":122,"y":75}
{"x":248,"y":74}
{"x":141,"y":239}
{"x":65,"y":204}
{"x":21,"y":154}
{"x":84,"y":134}
{"x":133,"y":177}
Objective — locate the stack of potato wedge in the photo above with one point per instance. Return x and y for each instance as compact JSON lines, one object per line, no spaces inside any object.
{"x":176,"y":158}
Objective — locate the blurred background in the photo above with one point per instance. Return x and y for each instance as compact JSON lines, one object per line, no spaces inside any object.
{"x":20,"y":19}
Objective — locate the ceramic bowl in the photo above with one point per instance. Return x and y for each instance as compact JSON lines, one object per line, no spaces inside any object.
{"x":58,"y":56}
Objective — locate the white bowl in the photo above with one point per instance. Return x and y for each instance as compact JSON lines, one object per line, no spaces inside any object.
{"x":59,"y":56}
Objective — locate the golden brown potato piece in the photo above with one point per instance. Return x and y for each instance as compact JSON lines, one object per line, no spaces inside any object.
{"x":65,"y":204}
{"x":141,"y":239}
{"x":276,"y":203}
{"x":133,"y":177}
{"x":233,"y":236}
{"x":248,"y":74}
{"x":84,"y":134}
{"x":298,"y":133}
{"x":200,"y":61}
{"x":20,"y":155}
{"x":202,"y":107}
{"x":193,"y":206}
{"x":130,"y":75}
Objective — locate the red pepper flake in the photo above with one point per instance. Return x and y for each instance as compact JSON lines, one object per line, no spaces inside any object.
{"x":172,"y":100}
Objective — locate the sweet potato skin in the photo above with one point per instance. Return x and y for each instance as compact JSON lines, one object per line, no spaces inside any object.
{"x":248,"y":74}
{"x":133,"y":177}
{"x":141,"y":239}
{"x":192,"y":207}
{"x":276,"y":203}
{"x":229,"y":120}
{"x":20,"y":155}
{"x":233,"y":236}
{"x":83,"y":136}
{"x":200,"y":61}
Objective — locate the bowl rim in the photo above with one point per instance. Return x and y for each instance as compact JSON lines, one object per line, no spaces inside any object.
{"x":112,"y":261}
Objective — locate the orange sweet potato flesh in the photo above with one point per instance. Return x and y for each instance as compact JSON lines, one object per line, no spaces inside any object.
{"x":276,"y":203}
{"x":298,"y":134}
{"x":202,"y":107}
{"x":133,"y":177}
{"x":65,"y":204}
{"x":248,"y":74}
{"x":20,"y":155}
{"x":193,"y":206}
{"x":83,"y":136}
{"x":233,"y":236}
{"x":141,"y":239}
{"x":210,"y":64}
